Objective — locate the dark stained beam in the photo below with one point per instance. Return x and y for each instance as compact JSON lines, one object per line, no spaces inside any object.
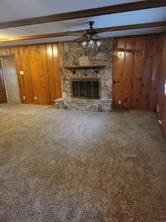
{"x":85,"y":13}
{"x":41,"y":36}
{"x":81,"y":32}
{"x":130,"y":27}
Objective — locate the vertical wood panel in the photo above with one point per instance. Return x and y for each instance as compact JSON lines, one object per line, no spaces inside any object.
{"x":135,"y":72}
{"x":41,"y":79}
{"x":18,"y":68}
{"x":56,"y":65}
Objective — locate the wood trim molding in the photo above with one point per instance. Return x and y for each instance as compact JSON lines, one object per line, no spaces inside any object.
{"x":85,"y":13}
{"x":80,"y":32}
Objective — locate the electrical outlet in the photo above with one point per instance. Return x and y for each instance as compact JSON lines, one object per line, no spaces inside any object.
{"x":160,"y":122}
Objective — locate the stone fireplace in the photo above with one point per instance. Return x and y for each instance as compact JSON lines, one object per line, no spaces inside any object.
{"x":86,"y":79}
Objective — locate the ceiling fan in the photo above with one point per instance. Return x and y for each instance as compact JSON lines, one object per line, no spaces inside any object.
{"x":90,"y":33}
{"x":89,"y":38}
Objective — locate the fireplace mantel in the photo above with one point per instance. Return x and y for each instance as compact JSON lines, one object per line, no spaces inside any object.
{"x":85,"y":67}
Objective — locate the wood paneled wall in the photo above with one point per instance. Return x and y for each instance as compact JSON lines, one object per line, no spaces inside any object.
{"x":136,"y":68}
{"x":161,"y":88}
{"x":40,"y":82}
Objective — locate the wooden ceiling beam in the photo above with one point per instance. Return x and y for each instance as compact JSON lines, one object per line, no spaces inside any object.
{"x":41,"y":36}
{"x":131,"y":27}
{"x":80,"y":32}
{"x":85,"y":13}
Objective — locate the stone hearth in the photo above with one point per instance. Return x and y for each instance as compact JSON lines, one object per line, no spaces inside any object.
{"x":72,"y":54}
{"x":95,"y":105}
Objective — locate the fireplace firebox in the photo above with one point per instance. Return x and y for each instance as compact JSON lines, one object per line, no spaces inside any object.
{"x":85,"y":88}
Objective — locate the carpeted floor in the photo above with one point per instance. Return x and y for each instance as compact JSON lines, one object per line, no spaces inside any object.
{"x":61,"y":166}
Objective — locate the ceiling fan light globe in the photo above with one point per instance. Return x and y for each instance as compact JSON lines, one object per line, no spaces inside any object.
{"x":91,"y":43}
{"x":98,"y":43}
{"x":84,"y":43}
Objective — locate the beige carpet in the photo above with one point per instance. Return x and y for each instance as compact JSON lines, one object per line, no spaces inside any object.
{"x":61,"y":166}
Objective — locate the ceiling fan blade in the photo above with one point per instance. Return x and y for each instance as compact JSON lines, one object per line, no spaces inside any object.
{"x":87,"y":33}
{"x":82,"y":38}
{"x":74,"y":33}
{"x":100,"y":30}
{"x":96,"y":35}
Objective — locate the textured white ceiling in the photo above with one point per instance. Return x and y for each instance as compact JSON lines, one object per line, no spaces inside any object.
{"x":15,"y":9}
{"x":125,"y":18}
{"x":19,"y":9}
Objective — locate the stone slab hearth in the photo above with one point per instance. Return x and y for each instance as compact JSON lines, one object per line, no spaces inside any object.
{"x":93,"y":105}
{"x":71,"y":54}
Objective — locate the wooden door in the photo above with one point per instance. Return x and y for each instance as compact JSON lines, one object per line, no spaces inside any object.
{"x":10,"y":79}
{"x":3,"y":98}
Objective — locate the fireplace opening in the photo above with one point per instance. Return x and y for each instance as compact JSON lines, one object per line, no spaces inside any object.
{"x":85,"y":88}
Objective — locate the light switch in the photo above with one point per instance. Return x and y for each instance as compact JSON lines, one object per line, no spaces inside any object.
{"x":21,"y":72}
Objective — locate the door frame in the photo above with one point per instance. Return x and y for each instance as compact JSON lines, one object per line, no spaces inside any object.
{"x":4,"y":76}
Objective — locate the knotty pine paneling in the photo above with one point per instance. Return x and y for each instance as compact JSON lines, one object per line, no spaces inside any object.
{"x":161,"y":89}
{"x":40,"y":83}
{"x":136,"y":67}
